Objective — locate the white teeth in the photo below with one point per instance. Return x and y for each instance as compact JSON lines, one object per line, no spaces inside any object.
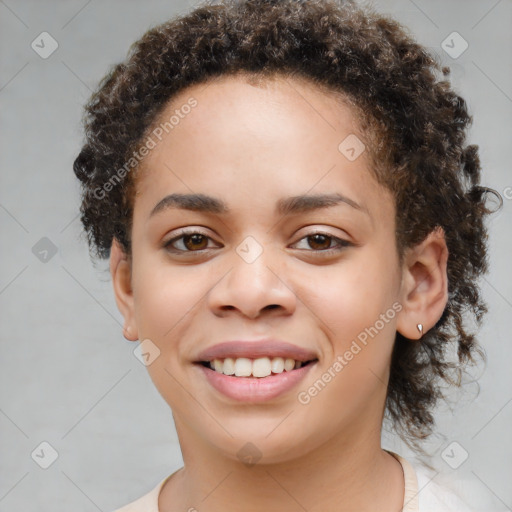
{"x":289,"y":364}
{"x":229,"y":366}
{"x":261,"y":367}
{"x":277,"y":365}
{"x":243,"y":367}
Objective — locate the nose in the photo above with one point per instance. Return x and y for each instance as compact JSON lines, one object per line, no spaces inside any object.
{"x":250,"y":289}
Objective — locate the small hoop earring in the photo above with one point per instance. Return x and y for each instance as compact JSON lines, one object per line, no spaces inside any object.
{"x":420,"y":328}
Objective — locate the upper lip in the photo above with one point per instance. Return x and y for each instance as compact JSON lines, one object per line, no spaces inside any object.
{"x":256,"y":349}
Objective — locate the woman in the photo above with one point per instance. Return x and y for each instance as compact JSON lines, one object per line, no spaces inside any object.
{"x":295,"y":225}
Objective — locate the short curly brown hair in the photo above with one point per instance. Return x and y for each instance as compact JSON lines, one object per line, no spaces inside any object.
{"x":414,"y":126}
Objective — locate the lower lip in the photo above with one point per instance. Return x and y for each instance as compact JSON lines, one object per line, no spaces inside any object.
{"x":255,"y":389}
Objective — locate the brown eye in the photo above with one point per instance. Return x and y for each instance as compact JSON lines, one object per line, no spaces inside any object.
{"x":319,"y":241}
{"x":192,"y":241}
{"x":195,"y":241}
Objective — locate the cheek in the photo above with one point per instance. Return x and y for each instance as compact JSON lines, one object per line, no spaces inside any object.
{"x":164,"y":296}
{"x":166,"y":299}
{"x":355,"y":312}
{"x":353,"y":305}
{"x":347,"y":297}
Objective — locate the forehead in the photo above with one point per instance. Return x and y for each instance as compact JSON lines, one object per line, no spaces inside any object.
{"x":264,"y":139}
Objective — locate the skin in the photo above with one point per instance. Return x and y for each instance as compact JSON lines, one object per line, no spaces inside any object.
{"x":251,"y":145}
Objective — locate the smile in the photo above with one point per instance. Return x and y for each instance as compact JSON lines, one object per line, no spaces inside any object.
{"x":247,"y":386}
{"x":260,"y":367}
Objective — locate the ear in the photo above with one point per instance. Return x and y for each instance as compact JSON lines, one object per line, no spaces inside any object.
{"x":120,"y":271}
{"x":424,"y":289}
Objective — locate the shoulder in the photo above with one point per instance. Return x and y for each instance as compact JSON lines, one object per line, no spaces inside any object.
{"x":146,"y":503}
{"x":428,"y":490}
{"x":452,"y":493}
{"x":436,"y":494}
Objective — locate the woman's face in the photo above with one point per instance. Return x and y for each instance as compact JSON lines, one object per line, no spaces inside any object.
{"x":256,"y":272}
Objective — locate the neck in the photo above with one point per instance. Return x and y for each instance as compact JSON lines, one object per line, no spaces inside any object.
{"x":338,"y":475}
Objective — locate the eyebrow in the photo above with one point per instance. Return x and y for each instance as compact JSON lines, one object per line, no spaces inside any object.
{"x":285,"y":206}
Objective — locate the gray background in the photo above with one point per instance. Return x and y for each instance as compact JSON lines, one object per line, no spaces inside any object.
{"x":68,"y":377}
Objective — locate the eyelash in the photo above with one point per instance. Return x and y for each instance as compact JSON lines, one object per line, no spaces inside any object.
{"x":342,"y":244}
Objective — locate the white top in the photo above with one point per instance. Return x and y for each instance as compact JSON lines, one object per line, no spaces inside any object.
{"x":422,"y":494}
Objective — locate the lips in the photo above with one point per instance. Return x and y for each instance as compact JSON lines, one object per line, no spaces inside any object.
{"x":256,"y":349}
{"x":251,"y":390}
{"x":254,"y":389}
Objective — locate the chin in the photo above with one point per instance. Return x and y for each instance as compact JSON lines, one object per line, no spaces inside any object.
{"x":262,"y":448}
